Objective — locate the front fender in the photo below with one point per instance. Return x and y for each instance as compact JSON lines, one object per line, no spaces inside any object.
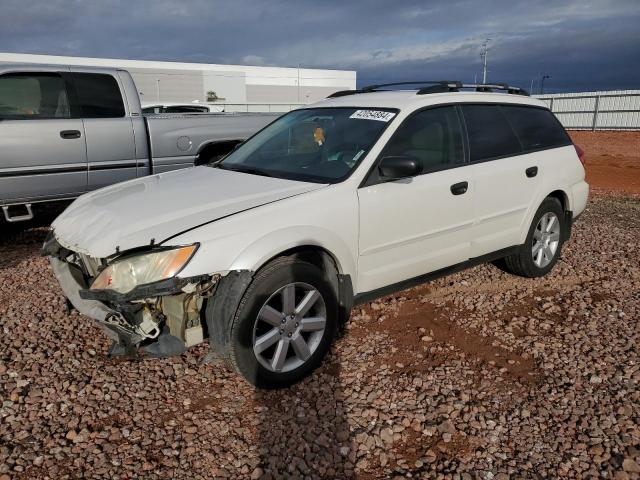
{"x":271,"y":245}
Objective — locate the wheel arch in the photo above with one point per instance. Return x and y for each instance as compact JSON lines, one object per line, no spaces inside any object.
{"x":214,"y":148}
{"x":562,"y":196}
{"x":559,"y":193}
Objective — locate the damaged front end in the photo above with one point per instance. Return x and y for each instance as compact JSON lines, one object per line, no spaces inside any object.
{"x":136,"y":297}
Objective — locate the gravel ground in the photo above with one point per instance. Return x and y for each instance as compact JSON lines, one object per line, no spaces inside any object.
{"x":478,"y":375}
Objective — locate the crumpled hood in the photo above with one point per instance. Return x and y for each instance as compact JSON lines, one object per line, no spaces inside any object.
{"x":135,"y":213}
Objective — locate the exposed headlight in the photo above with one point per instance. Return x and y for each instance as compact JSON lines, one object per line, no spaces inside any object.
{"x":124,"y":275}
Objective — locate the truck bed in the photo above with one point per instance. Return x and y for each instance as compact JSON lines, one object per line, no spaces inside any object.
{"x":175,"y":139}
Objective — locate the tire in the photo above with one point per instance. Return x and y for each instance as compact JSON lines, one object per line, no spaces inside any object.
{"x":524,"y":263}
{"x":255,"y":325}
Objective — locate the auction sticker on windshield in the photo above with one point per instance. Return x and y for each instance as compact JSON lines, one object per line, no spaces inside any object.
{"x":379,"y":115}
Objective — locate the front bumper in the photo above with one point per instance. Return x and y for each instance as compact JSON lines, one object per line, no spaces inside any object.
{"x":72,"y":283}
{"x":163,"y":317}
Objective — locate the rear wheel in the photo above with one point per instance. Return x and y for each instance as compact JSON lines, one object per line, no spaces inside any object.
{"x":285,"y":323}
{"x":541,"y":250}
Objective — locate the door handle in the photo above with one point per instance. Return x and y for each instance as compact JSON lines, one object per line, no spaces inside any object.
{"x":531,"y":172}
{"x":459,"y":188}
{"x":70,"y":134}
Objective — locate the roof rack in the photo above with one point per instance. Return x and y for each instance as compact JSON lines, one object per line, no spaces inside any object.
{"x":437,"y":86}
{"x":490,"y":87}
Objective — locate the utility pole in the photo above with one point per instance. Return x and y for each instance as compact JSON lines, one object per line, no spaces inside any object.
{"x":483,"y":54}
{"x":542,"y":83}
{"x":298,"y":83}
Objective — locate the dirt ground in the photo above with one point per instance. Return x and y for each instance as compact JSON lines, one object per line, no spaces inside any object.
{"x":480,"y":375}
{"x":612,"y":160}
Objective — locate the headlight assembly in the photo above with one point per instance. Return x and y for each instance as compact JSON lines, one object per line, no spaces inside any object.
{"x":126,"y":274}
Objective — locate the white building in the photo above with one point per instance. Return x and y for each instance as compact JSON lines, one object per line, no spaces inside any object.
{"x":175,"y":82}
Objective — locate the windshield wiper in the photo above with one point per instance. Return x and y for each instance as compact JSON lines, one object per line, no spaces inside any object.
{"x":249,"y":170}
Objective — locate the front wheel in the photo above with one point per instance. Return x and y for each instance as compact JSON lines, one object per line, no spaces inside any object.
{"x":542,"y":247}
{"x":284,"y":324}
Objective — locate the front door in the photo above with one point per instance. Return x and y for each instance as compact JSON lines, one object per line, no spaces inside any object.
{"x":417,"y":225}
{"x":42,"y":149}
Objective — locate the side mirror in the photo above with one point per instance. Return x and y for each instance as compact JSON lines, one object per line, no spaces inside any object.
{"x":399,"y":166}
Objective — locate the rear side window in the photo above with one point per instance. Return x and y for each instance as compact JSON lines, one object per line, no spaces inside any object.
{"x":489,"y":132}
{"x":536,"y":128}
{"x":432,"y":136}
{"x":26,"y":96}
{"x":98,"y":95}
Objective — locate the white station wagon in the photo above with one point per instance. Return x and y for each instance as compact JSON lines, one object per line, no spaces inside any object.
{"x":368,"y":192}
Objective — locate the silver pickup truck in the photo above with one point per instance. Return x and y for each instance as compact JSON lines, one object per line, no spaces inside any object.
{"x":67,"y":130}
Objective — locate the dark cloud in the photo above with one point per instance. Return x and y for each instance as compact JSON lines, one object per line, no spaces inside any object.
{"x":583,"y":45}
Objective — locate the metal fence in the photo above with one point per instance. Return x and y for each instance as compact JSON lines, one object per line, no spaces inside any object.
{"x":612,"y":110}
{"x":258,"y":107}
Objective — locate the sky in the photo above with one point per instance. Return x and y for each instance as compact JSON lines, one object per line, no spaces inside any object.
{"x":582,"y":45}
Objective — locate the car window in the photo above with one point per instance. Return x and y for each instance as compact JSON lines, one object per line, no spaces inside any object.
{"x":433,"y":137}
{"x":33,"y":96}
{"x":489,"y":132}
{"x":536,"y":128}
{"x":98,"y":95}
{"x":317,"y":144}
{"x":185,"y":109}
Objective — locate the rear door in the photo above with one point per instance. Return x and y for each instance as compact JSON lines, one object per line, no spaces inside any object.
{"x":42,"y":148}
{"x":111,"y":146}
{"x":417,"y":225}
{"x":510,"y":150}
{"x":503,"y":189}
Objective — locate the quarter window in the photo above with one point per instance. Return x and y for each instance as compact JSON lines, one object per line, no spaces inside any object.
{"x":433,"y":137}
{"x":33,"y":96}
{"x":98,"y":95}
{"x":536,"y":128}
{"x":489,"y":132}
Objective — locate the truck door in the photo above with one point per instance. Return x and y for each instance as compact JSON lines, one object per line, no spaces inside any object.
{"x":111,"y":146}
{"x":42,"y":148}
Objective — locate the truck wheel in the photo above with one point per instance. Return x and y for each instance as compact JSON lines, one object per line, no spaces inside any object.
{"x":284,"y":324}
{"x":541,"y":249}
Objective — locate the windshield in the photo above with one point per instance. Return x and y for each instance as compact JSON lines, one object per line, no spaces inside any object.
{"x":318,"y":145}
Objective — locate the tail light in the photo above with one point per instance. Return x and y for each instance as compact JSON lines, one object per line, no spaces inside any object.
{"x":580,"y":153}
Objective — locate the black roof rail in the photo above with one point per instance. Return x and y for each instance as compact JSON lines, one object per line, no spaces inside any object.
{"x":343,"y":93}
{"x":490,"y":87}
{"x":436,"y":86}
{"x":448,"y":83}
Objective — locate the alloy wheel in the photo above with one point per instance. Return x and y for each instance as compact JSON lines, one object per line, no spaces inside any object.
{"x":546,"y":239}
{"x":289,"y":327}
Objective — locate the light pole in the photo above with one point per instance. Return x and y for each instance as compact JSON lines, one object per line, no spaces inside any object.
{"x":542,"y":83}
{"x":483,"y":54}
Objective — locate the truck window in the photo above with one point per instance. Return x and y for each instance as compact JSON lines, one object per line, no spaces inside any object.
{"x":490,"y":135}
{"x":26,"y":96}
{"x":537,"y":128}
{"x":98,"y":95}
